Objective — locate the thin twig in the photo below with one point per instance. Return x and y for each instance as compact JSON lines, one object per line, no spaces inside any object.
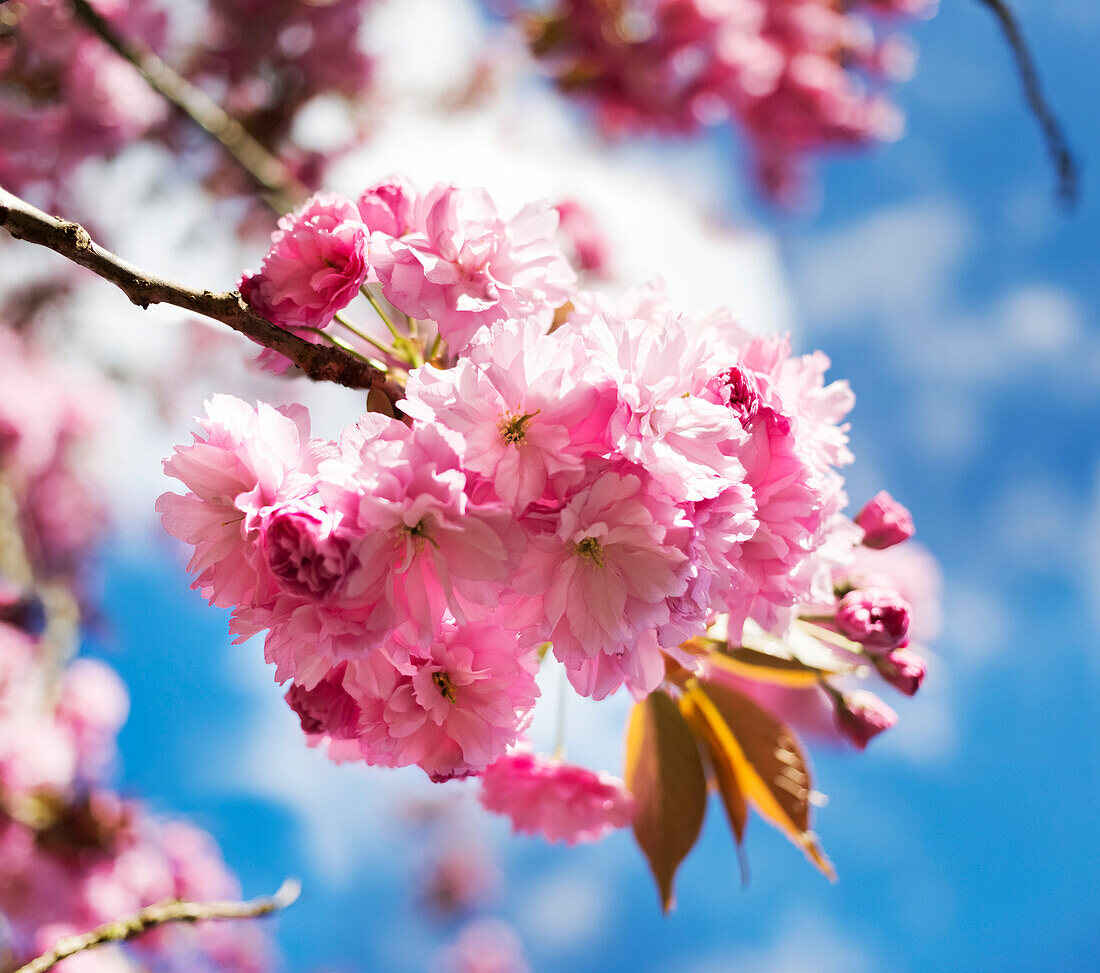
{"x":171,"y":910}
{"x":1057,"y":144}
{"x":70,"y":240}
{"x":282,"y":187}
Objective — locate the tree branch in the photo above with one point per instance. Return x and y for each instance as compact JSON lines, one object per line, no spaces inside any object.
{"x":322,"y":363}
{"x":172,"y":910}
{"x":1057,"y":145}
{"x":282,"y":187}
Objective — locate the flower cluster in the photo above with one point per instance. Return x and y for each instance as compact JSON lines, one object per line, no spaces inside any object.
{"x":883,"y":600}
{"x":269,"y":59}
{"x":797,"y":76}
{"x":66,"y":97}
{"x":73,"y":854}
{"x":49,"y":411}
{"x":600,"y":483}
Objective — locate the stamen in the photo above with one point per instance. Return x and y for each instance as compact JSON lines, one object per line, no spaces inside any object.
{"x":590,"y":548}
{"x":513,"y":428}
{"x":443,"y":684}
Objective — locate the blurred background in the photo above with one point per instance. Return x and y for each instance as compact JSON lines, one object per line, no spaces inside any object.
{"x":944,"y":281}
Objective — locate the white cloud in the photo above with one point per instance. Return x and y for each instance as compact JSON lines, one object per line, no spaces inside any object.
{"x":566,"y":910}
{"x":806,"y":942}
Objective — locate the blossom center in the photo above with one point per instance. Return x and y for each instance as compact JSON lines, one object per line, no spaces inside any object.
{"x":590,"y":548}
{"x":513,"y":428}
{"x":739,"y":393}
{"x":444,"y":685}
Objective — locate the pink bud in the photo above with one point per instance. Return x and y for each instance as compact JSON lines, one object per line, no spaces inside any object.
{"x":386,"y":206}
{"x":877,"y":618}
{"x":903,"y":669}
{"x":861,"y":716}
{"x":885,"y":522}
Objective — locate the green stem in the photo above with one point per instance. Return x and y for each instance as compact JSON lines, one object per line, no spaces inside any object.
{"x":344,"y":323}
{"x":435,"y":346}
{"x":366,"y":292}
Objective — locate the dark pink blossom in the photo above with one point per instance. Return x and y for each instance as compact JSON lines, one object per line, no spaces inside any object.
{"x":877,"y":618}
{"x":885,"y":522}
{"x":861,"y":716}
{"x":903,"y":669}
{"x":317,"y":261}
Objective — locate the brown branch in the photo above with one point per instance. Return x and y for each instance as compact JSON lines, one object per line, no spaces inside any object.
{"x":281,"y":186}
{"x":172,"y":910}
{"x":322,"y":363}
{"x":1057,"y":144}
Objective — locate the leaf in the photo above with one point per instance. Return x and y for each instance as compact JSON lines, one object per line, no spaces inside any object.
{"x":765,"y":667}
{"x":725,"y":776}
{"x":767,"y":760}
{"x":665,"y":774}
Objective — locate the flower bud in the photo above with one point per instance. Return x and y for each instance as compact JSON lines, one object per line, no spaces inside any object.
{"x":877,"y":618}
{"x":861,"y":716}
{"x":903,"y":669}
{"x":885,"y":522}
{"x":386,"y":207}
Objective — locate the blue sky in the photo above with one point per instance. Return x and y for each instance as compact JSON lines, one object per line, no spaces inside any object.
{"x":943,"y":280}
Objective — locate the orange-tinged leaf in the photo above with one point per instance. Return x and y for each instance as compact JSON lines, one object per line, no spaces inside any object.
{"x":725,"y":777}
{"x":665,"y":774}
{"x":768,"y":761}
{"x":764,"y":667}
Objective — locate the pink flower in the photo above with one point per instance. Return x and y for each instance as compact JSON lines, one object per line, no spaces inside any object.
{"x":304,"y":550}
{"x":903,"y":669}
{"x":794,"y":440}
{"x":101,"y":88}
{"x":908,"y":569}
{"x":877,"y":618}
{"x":386,"y":207}
{"x":585,"y":240}
{"x":420,"y":546}
{"x":462,"y":266}
{"x":860,"y":716}
{"x":522,"y":405}
{"x":660,"y":363}
{"x":92,"y":708}
{"x":560,"y":801}
{"x":597,"y":578}
{"x":326,"y":709}
{"x":248,"y":460}
{"x":483,"y":946}
{"x":317,"y":261}
{"x":885,"y":522}
{"x":452,"y":708}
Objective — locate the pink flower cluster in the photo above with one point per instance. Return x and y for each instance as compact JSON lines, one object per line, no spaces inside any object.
{"x":64,"y":96}
{"x":49,"y":413}
{"x":445,"y":255}
{"x":886,"y":595}
{"x":599,"y":485}
{"x":73,"y":854}
{"x":99,"y":858}
{"x":557,"y":800}
{"x":797,"y":76}
{"x":269,"y":59}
